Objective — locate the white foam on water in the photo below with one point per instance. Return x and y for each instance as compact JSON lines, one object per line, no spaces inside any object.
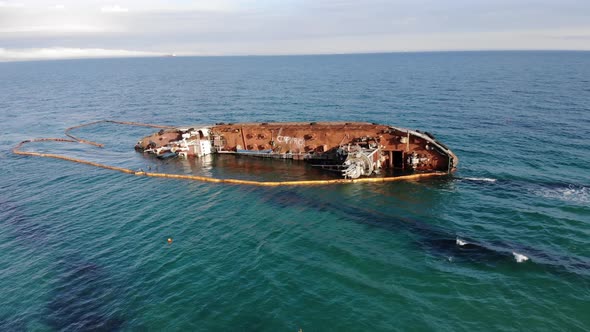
{"x":480,"y":179}
{"x":461,"y":242}
{"x":571,"y":193}
{"x":520,"y":258}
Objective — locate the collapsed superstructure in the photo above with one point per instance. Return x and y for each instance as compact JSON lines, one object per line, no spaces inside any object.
{"x":353,"y":149}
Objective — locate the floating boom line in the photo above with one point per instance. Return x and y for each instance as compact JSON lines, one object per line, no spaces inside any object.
{"x":73,"y":139}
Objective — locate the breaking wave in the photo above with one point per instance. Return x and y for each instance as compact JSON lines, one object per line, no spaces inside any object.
{"x":571,"y":193}
{"x":461,"y":242}
{"x":520,"y":258}
{"x":480,"y":179}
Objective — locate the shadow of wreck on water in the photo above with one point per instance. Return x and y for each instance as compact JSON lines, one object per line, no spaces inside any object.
{"x":435,"y":240}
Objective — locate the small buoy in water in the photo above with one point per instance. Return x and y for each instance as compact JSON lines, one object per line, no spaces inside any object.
{"x":169,"y":240}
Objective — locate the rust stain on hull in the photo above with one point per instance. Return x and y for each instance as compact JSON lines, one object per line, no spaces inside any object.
{"x":353,"y":149}
{"x":193,"y":142}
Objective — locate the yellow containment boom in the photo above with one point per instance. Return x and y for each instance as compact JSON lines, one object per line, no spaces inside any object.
{"x":73,"y":139}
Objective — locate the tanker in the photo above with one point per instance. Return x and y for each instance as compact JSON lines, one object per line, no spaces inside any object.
{"x":351,"y":149}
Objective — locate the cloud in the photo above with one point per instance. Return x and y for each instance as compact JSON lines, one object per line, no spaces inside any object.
{"x":53,"y":28}
{"x":68,"y":53}
{"x":224,"y":27}
{"x":6,"y":4}
{"x":114,"y":9}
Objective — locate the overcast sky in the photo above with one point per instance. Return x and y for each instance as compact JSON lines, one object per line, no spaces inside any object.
{"x":36,"y":29}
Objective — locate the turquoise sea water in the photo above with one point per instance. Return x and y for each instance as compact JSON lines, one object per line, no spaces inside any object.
{"x":83,"y":248}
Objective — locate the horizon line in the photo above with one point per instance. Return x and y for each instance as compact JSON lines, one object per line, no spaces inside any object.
{"x":189,"y":55}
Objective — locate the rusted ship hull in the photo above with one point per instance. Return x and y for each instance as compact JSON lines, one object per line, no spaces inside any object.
{"x":353,"y":149}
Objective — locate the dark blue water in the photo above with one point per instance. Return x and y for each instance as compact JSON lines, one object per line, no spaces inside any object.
{"x":84,"y":248}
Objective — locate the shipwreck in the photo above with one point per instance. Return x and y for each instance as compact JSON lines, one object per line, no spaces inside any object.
{"x":351,"y":149}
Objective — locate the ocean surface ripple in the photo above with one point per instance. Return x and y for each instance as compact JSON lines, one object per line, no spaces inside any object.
{"x":502,"y":244}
